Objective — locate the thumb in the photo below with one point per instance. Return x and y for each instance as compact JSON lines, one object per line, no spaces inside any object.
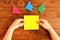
{"x":21,"y":24}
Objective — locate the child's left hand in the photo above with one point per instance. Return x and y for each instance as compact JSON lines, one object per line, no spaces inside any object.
{"x":17,"y":23}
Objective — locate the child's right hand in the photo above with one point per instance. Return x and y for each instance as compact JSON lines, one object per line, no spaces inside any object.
{"x":45,"y":24}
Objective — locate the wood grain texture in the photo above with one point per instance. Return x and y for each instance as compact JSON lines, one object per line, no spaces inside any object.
{"x":52,"y":14}
{"x":52,"y":2}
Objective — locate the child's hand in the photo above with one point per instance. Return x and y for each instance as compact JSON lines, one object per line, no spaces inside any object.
{"x":44,"y":24}
{"x":17,"y":23}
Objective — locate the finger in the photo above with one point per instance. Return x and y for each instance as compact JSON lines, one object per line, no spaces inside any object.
{"x":19,"y":20}
{"x":21,"y":25}
{"x":41,"y":24}
{"x":43,"y":20}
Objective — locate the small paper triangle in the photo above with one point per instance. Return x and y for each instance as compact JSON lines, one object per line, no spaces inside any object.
{"x":16,"y":10}
{"x":41,"y":8}
{"x":29,"y":6}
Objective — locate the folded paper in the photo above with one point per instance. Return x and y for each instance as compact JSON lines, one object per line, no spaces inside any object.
{"x":41,"y":8}
{"x":30,"y":22}
{"x":16,"y":10}
{"x":29,"y":7}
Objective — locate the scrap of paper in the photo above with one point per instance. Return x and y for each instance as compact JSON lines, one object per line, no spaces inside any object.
{"x":29,"y":7}
{"x":41,"y":8}
{"x":16,"y":10}
{"x":30,"y":22}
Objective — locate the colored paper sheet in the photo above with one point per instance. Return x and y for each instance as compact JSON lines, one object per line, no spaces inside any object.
{"x":41,"y":8}
{"x":29,"y":6}
{"x":30,"y":22}
{"x":16,"y":10}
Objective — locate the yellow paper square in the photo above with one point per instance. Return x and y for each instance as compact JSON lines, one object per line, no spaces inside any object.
{"x":30,"y":22}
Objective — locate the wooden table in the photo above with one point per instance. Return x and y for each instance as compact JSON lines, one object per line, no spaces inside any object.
{"x":52,"y":14}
